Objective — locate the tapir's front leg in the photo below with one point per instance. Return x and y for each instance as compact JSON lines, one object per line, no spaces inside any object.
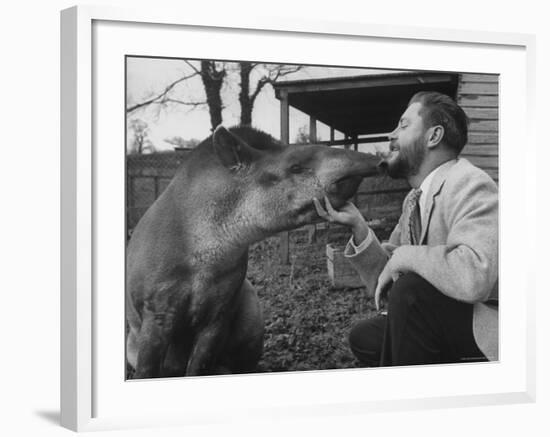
{"x":155,"y":332}
{"x":206,"y":350}
{"x":152,"y":346}
{"x":213,"y":311}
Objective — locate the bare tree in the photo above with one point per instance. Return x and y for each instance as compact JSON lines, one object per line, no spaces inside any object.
{"x":141,"y":141}
{"x":182,"y":142}
{"x":212,"y":75}
{"x":253,"y":78}
{"x":269,"y":73}
{"x":168,"y":94}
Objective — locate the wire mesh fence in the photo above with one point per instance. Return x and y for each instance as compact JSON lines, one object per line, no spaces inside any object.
{"x":147,"y":176}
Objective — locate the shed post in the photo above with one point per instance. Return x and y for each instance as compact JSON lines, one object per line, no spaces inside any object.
{"x":356,"y":148}
{"x":327,"y":224}
{"x":312,"y":129}
{"x":312,"y":229}
{"x":347,"y":144}
{"x":284,"y":237}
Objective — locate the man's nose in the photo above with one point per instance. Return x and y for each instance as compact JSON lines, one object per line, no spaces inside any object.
{"x":392,"y":135}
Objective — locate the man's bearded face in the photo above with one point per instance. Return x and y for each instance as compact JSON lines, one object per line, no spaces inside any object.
{"x":407,"y":145}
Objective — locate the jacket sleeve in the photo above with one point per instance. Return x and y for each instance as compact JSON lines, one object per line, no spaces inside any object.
{"x":370,"y":260}
{"x":466,"y":266}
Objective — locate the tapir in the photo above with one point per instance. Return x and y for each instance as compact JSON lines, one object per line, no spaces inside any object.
{"x":189,"y":307}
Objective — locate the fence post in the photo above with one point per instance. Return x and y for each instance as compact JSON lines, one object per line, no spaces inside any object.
{"x":356,"y":148}
{"x":284,"y":237}
{"x":156,"y":182}
{"x":130,"y":201}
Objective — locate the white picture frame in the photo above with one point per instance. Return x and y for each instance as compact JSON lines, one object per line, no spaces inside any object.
{"x":90,"y":186}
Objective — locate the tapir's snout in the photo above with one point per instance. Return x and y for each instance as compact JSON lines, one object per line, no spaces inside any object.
{"x":341,"y":173}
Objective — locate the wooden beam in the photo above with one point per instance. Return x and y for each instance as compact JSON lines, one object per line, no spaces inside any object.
{"x":485,"y":88}
{"x":493,"y":172}
{"x":482,"y":138}
{"x":467,"y":77}
{"x":478,"y":101}
{"x":482,"y":113}
{"x":349,"y":142}
{"x":484,"y":162}
{"x":483,"y":126}
{"x":481,"y":149}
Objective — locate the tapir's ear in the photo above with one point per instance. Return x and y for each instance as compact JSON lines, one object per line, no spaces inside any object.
{"x":233,"y":152}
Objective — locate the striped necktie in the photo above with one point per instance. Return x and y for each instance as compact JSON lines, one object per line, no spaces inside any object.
{"x":413,"y":216}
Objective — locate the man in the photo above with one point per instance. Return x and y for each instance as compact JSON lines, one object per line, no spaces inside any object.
{"x":441,"y":261}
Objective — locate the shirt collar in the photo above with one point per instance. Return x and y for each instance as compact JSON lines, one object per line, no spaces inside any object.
{"x":425,"y":185}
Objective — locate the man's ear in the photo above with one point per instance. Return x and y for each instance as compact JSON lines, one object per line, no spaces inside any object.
{"x":435,"y":135}
{"x":232,"y":152}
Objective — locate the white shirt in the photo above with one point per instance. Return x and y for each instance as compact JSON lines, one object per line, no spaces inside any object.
{"x":425,"y":187}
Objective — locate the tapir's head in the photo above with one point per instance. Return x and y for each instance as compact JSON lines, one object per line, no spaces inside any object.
{"x":276,"y":184}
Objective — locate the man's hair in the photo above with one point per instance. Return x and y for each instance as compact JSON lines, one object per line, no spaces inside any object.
{"x":440,"y":109}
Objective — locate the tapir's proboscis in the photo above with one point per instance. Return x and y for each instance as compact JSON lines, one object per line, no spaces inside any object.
{"x":189,"y":307}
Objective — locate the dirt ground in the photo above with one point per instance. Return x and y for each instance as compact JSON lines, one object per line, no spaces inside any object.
{"x":306,"y":320}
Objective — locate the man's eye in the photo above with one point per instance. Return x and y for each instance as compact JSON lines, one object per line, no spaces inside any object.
{"x":296,"y":168}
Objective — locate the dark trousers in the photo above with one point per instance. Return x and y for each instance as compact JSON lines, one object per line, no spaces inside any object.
{"x":422,"y":326}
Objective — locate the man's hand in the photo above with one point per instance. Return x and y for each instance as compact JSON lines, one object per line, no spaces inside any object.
{"x":348,"y":215}
{"x":385,"y":280}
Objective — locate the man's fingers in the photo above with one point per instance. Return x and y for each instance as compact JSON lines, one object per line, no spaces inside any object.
{"x":331,"y":211}
{"x":322,"y":213}
{"x":382,"y":286}
{"x":377,"y":298}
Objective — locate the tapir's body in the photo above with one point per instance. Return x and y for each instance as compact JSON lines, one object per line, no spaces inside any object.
{"x":189,"y":307}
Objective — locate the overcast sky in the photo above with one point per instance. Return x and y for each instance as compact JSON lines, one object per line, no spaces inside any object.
{"x":147,"y":77}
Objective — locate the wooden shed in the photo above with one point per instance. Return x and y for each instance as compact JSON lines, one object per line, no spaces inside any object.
{"x":365,"y":109}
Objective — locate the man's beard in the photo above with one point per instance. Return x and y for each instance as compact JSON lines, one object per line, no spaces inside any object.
{"x":407,"y":162}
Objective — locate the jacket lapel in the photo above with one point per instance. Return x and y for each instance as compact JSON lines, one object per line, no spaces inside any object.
{"x":435,"y":188}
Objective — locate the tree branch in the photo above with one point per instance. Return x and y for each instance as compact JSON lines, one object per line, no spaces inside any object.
{"x":284,"y":71}
{"x":280,"y":71}
{"x":195,"y":69}
{"x":181,"y":102}
{"x":261,"y":83}
{"x":163,"y":94}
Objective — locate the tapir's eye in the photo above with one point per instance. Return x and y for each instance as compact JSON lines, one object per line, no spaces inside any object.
{"x":296,"y":168}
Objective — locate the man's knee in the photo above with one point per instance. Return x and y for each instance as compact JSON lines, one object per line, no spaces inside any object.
{"x":365,"y":340}
{"x":409,"y":289}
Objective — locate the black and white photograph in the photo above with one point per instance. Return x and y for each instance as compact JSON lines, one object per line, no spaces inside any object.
{"x":275,"y":219}
{"x":297,"y":217}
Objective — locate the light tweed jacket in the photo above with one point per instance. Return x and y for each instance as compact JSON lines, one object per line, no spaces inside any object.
{"x":459,"y":251}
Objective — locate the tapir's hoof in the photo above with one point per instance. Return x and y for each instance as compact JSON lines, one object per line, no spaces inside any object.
{"x":222,"y":370}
